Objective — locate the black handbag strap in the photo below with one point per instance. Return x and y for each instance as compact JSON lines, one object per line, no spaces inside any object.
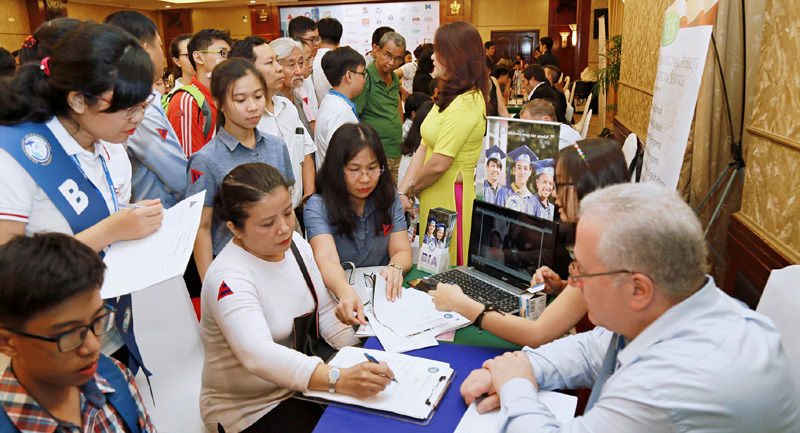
{"x":309,"y":283}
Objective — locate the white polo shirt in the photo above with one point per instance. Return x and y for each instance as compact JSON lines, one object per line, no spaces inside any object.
{"x":21,"y":198}
{"x":333,"y":113}
{"x":321,"y":83}
{"x":284,"y":123}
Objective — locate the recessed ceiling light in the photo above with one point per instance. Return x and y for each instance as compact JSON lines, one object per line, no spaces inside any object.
{"x":252,"y":1}
{"x":169,"y":6}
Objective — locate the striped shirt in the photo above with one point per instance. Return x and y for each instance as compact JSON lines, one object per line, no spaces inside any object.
{"x":186,"y":118}
{"x":97,"y":415}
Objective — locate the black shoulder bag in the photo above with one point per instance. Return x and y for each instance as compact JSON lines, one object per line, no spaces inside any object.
{"x":305,"y":333}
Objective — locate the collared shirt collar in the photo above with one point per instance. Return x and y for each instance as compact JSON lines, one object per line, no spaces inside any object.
{"x":30,"y":417}
{"x":372,"y":74}
{"x":231,"y":142}
{"x":674,"y":318}
{"x":68,"y":142}
{"x":346,"y":99}
{"x":527,"y":193}
{"x":530,"y":95}
{"x":280,"y":103}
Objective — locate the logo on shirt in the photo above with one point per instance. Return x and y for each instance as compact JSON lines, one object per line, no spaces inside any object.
{"x":224,"y":291}
{"x":37,"y":149}
{"x":387,"y":229}
{"x":196,"y":175}
{"x":163,"y":133}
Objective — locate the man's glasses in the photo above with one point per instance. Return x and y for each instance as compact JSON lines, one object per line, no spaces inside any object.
{"x":183,"y":54}
{"x":576,"y":274}
{"x":222,"y":52}
{"x":356,"y":174}
{"x":74,"y":338}
{"x":363,"y":74}
{"x":130,"y":112}
{"x":389,"y":59}
{"x":313,"y":40}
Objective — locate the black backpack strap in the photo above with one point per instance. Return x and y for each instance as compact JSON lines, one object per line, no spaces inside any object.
{"x":309,"y":283}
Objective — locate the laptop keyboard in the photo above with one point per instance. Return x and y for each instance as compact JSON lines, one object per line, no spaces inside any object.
{"x":481,"y":291}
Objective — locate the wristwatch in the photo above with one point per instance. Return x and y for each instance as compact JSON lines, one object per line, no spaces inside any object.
{"x":333,"y":377}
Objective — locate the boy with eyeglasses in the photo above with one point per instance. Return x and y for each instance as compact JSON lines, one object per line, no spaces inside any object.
{"x":344,"y":69}
{"x":191,"y":110}
{"x":51,"y":323}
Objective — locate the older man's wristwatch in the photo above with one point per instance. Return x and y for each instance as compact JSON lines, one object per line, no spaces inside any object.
{"x":333,"y":377}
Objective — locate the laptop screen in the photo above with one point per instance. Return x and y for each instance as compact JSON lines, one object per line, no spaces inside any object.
{"x":510,"y":245}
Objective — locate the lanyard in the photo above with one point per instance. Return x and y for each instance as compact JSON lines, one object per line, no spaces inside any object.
{"x":346,"y":99}
{"x":108,"y":179}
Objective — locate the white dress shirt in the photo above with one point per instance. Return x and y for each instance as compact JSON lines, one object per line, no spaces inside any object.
{"x":708,"y":364}
{"x":321,"y":84}
{"x":333,"y":113}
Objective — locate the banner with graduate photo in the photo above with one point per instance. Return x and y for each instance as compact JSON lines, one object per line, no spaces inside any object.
{"x":517,"y":167}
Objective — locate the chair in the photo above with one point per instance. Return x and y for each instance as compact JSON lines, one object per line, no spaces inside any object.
{"x":566,"y":84}
{"x":585,"y":123}
{"x":586,"y":104}
{"x":571,"y":93}
{"x":570,"y":112}
{"x":567,"y":94}
{"x":780,"y":303}
{"x":629,"y":148}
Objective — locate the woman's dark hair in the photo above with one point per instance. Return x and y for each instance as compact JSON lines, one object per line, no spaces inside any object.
{"x":222,"y":81}
{"x":244,"y":185}
{"x":606,"y":165}
{"x":42,"y":271}
{"x":500,"y":71}
{"x":460,"y":48}
{"x":45,"y":38}
{"x":7,"y":63}
{"x":139,"y":25}
{"x":411,"y":143}
{"x":345,"y":144}
{"x":413,"y":102}
{"x":425,"y":60}
{"x":90,"y":60}
{"x":175,"y":52}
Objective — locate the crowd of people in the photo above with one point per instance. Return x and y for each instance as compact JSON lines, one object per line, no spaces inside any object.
{"x":310,"y":155}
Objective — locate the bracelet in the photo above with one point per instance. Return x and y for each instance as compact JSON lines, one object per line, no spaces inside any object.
{"x":411,"y":186}
{"x":396,"y":266}
{"x":479,"y":320}
{"x":401,"y":193}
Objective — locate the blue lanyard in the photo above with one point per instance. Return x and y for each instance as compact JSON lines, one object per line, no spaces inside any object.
{"x":346,"y":99}
{"x":108,"y":179}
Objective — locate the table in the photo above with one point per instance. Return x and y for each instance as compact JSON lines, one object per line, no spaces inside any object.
{"x":463,"y":359}
{"x":467,"y":352}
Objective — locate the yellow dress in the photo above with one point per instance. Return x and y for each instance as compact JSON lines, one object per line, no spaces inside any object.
{"x":456,"y":132}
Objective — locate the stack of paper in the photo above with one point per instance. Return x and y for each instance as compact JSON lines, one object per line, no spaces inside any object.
{"x":410,"y":322}
{"x":420,"y":383}
{"x":561,"y":405}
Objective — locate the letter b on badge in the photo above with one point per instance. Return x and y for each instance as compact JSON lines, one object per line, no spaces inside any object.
{"x":76,"y":198}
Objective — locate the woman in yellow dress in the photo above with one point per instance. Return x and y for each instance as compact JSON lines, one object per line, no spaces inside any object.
{"x":442,"y":174}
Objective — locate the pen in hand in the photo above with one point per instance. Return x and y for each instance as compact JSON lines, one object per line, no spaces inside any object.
{"x":371,"y":359}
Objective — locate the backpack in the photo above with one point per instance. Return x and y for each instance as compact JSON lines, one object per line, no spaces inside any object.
{"x":198,"y":97}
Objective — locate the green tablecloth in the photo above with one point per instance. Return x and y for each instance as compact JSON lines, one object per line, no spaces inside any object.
{"x":468,"y":336}
{"x":514,"y":109}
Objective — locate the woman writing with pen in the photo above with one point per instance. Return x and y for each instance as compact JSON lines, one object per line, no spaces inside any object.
{"x":263,"y":303}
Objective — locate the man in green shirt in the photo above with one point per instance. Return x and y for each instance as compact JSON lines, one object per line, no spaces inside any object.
{"x":379,"y":103}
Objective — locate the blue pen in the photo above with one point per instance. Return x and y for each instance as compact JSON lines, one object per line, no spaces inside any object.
{"x":371,"y":359}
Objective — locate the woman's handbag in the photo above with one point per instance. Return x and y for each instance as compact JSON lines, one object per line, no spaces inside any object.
{"x":306,"y":335}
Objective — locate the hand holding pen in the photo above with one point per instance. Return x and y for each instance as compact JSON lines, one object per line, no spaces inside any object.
{"x":372,"y":359}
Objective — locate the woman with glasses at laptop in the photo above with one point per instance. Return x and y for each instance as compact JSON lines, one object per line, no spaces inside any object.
{"x":580,"y":169}
{"x":64,"y":168}
{"x":356,"y":216}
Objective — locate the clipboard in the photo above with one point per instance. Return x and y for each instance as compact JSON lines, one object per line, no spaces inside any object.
{"x":386,"y":414}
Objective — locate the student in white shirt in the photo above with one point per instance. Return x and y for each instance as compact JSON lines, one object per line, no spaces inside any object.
{"x":255,"y":301}
{"x":330,"y":34}
{"x":280,"y":117}
{"x":344,"y":68}
{"x":541,"y":109}
{"x":89,"y":115}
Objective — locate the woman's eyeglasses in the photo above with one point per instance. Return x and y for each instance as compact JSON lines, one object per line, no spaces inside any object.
{"x":356,"y":174}
{"x":74,"y":338}
{"x":130,"y":112}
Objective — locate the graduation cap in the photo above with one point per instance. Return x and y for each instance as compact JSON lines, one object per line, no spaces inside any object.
{"x":545,"y":166}
{"x":523,"y":153}
{"x":432,"y":220}
{"x":495,"y":152}
{"x":441,"y":226}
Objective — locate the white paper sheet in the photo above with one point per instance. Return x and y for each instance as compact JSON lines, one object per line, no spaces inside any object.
{"x":139,"y":264}
{"x":418,"y":380}
{"x":414,"y":312}
{"x":561,"y":405}
{"x":392,"y":342}
{"x":357,"y":277}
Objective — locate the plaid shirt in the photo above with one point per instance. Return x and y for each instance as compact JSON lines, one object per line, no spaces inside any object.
{"x":98,"y":416}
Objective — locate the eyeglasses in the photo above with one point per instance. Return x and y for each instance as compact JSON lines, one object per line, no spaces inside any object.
{"x":575,"y":273}
{"x":75,"y":337}
{"x":356,"y":174}
{"x":314,"y":40}
{"x":363,"y":74}
{"x":388,"y":57}
{"x":130,"y":112}
{"x":183,"y":54}
{"x":222,"y":52}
